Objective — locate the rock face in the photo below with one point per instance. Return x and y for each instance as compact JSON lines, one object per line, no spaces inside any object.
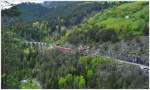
{"x":135,"y":50}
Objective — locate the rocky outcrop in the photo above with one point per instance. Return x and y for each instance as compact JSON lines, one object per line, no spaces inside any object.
{"x":135,"y":50}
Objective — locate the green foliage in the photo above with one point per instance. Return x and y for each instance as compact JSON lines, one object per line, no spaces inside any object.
{"x":17,"y":59}
{"x":38,"y":31}
{"x":92,"y":36}
{"x":12,"y":12}
{"x":62,"y":82}
{"x":105,"y":65}
{"x":89,"y":73}
{"x":26,"y":51}
{"x":11,"y":48}
{"x":55,"y":69}
{"x":125,"y":18}
{"x":30,"y":84}
{"x":120,"y":22}
{"x":58,"y":11}
{"x":11,"y":81}
{"x":81,"y":82}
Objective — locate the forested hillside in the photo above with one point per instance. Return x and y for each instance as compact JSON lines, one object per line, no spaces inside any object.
{"x":125,"y":25}
{"x":55,"y":16}
{"x":76,"y":45}
{"x":69,"y":13}
{"x":122,"y":22}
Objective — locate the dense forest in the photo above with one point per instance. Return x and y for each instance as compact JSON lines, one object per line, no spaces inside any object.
{"x":76,"y":45}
